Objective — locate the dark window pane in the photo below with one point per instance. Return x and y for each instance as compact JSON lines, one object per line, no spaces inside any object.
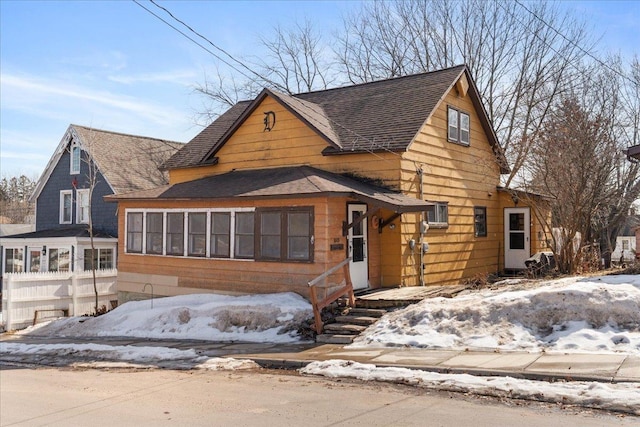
{"x":516,"y":240}
{"x":298,"y":248}
{"x":134,"y":232}
{"x":480,"y":219}
{"x":516,"y":221}
{"x":358,"y":249}
{"x":197,"y":234}
{"x":270,"y":246}
{"x":220,"y":234}
{"x":154,"y":233}
{"x":175,"y":233}
{"x":244,"y":241}
{"x":357,"y":228}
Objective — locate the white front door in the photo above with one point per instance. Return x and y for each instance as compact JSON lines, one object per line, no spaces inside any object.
{"x":357,"y":241}
{"x":36,"y":262}
{"x":517,"y":238}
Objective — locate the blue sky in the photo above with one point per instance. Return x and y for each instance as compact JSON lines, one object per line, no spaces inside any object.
{"x":111,"y":65}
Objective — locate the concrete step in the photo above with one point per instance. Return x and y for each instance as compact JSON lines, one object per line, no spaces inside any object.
{"x":335,"y":339}
{"x":356,"y":320}
{"x":345,"y":329}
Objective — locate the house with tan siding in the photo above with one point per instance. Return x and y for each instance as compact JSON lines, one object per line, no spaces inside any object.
{"x":399,"y":176}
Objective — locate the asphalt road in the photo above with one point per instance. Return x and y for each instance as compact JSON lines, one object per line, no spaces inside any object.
{"x":117,"y":397}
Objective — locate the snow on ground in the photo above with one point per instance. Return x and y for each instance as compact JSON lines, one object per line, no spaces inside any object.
{"x":623,"y":397}
{"x":270,"y":318}
{"x":596,"y":314}
{"x":127,"y":353}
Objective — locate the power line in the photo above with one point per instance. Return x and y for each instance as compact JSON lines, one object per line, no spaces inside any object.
{"x":584,"y":51}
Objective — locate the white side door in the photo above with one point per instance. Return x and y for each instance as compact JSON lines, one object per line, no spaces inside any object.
{"x":357,"y":241}
{"x":517,"y":238}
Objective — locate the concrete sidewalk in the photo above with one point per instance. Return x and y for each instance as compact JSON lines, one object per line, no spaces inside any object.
{"x":535,"y":366}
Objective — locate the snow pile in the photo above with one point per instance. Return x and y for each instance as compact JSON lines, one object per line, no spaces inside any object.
{"x":272,"y":318}
{"x":623,"y":397}
{"x":599,"y":314}
{"x":128,"y":353}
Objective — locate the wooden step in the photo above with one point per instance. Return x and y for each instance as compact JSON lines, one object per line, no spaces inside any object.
{"x":341,"y":328}
{"x":335,"y":339}
{"x":356,"y":320}
{"x":368,"y":312}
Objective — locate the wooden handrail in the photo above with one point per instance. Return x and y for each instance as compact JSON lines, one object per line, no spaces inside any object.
{"x":347,"y":289}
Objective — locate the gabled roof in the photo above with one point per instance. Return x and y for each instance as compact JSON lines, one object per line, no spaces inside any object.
{"x":299,"y":181}
{"x":376,"y":116}
{"x":127,"y":162}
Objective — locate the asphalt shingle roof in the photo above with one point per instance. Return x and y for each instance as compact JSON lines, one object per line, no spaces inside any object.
{"x":382,"y":115}
{"x":299,"y":181}
{"x":128,"y":162}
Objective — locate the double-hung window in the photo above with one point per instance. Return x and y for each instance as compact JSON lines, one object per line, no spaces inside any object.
{"x":134,"y":232}
{"x":154,"y":232}
{"x":285,"y":235}
{"x":220,"y":234}
{"x":458,"y":129}
{"x":438,"y":215}
{"x":197,"y":234}
{"x":244,"y":235}
{"x":175,"y":233}
{"x":74,"y":166}
{"x":82,"y":206}
{"x":480,"y":221}
{"x":66,"y":206}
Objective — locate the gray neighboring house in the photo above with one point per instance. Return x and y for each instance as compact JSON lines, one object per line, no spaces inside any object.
{"x":121,"y":163}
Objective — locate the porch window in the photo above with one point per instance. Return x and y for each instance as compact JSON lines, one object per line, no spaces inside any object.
{"x":134,"y":232}
{"x":102,"y":259}
{"x":480,"y":221}
{"x":74,"y":166}
{"x":82,"y":206}
{"x":13,"y":260}
{"x":244,"y":235}
{"x":154,"y":233}
{"x":197,"y":234}
{"x":285,"y":235}
{"x":438,"y":215}
{"x":175,"y":233}
{"x":458,"y":129}
{"x":59,"y":259}
{"x":66,"y":203}
{"x":220,"y":234}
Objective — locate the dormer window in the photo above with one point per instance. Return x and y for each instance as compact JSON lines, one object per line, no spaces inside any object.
{"x":75,"y":159}
{"x":459,"y":126}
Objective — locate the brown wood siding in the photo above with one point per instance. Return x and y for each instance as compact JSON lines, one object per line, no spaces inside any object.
{"x":244,"y":276}
{"x":465,"y":177}
{"x":290,"y":143}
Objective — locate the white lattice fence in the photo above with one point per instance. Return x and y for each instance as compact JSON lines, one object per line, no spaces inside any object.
{"x":54,"y":293}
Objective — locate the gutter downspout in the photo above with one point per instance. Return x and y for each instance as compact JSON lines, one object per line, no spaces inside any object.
{"x":420,"y":173}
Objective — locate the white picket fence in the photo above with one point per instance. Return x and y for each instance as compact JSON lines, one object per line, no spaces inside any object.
{"x":54,"y":293}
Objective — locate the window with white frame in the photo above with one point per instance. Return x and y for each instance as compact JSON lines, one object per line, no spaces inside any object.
{"x":102,"y":259}
{"x":438,"y":215}
{"x":155,"y":234}
{"x":82,"y":206}
{"x":174,"y":235}
{"x":625,"y":244}
{"x":75,"y":152}
{"x":220,"y":234}
{"x":458,"y":129}
{"x":197,"y":234}
{"x":270,"y":234}
{"x":14,"y":260}
{"x":66,"y":206}
{"x":134,"y":232}
{"x":59,"y":259}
